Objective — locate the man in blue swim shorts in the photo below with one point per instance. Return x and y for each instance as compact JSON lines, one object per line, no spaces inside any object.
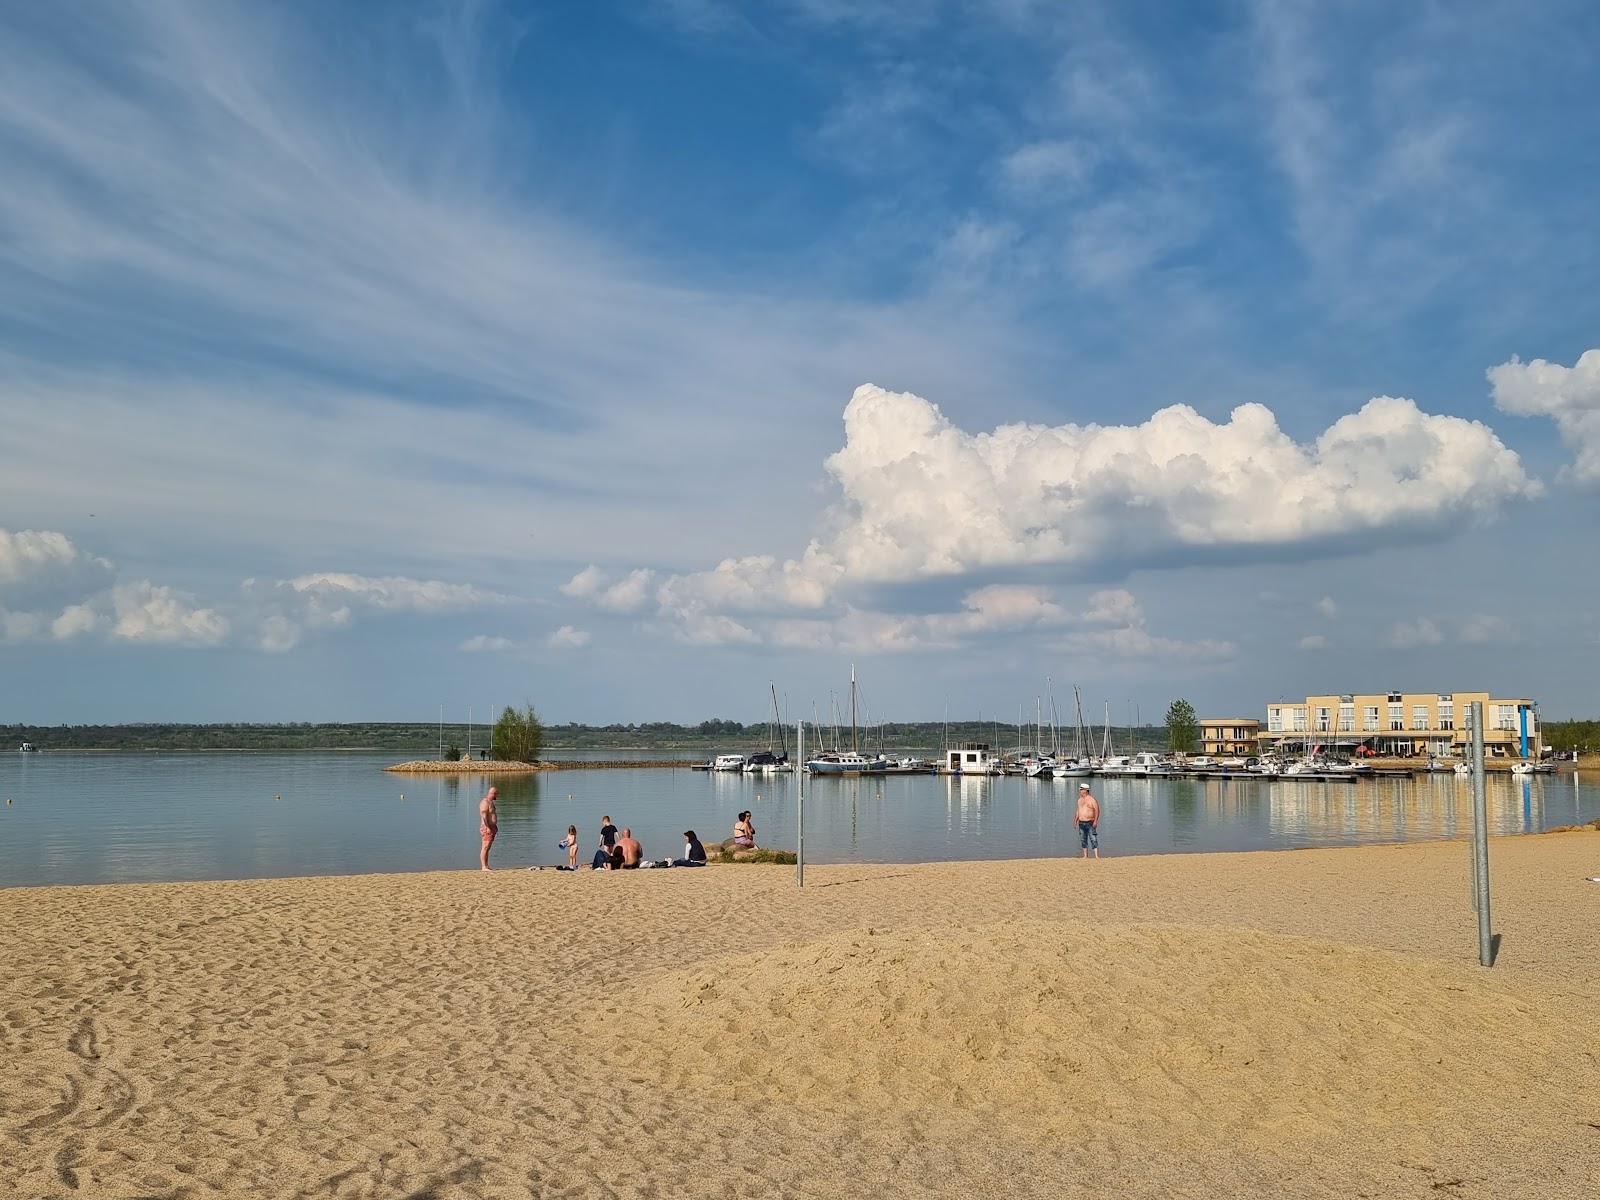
{"x":1088,"y":821}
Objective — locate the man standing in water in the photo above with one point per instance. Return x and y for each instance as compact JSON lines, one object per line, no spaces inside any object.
{"x":488,"y":825}
{"x":1088,"y":820}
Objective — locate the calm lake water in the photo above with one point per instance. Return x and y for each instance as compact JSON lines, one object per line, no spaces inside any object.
{"x":114,"y":818}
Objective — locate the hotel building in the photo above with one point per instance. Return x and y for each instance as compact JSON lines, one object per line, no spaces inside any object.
{"x":1228,"y":737}
{"x":1402,"y":723}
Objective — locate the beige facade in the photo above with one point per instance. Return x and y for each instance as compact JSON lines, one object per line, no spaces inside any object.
{"x":1229,"y":736}
{"x":1403,"y":723}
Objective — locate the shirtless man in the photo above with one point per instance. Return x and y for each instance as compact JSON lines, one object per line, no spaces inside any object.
{"x":632,"y":851}
{"x":488,"y":825}
{"x":1088,"y":820}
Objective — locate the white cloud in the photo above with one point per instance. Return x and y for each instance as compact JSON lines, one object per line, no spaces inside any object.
{"x":393,"y":593}
{"x":1328,"y":608}
{"x":629,"y":594}
{"x":569,"y":638}
{"x":147,"y":612}
{"x":1570,"y":396}
{"x":20,"y":626}
{"x":1483,"y":627}
{"x":484,"y":644}
{"x":278,"y":635}
{"x":925,"y":498}
{"x":75,"y":619}
{"x":1411,"y":635}
{"x":1312,"y":641}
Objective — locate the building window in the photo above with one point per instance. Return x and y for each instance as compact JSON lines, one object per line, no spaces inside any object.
{"x":1299,"y":715}
{"x":1369,"y":718}
{"x":1347,"y":718}
{"x":1397,"y":716}
{"x":1447,"y":715}
{"x":1505,"y":717}
{"x":1274,"y":720}
{"x":1419,"y":716}
{"x":1323,"y":720}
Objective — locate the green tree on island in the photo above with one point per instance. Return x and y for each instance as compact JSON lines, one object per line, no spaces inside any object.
{"x":1183,"y":727}
{"x":518,"y":735}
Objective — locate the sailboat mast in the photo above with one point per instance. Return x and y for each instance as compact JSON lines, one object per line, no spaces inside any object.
{"x":853,"y":746}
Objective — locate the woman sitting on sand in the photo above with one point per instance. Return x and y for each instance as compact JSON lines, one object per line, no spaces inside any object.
{"x":744,"y":831}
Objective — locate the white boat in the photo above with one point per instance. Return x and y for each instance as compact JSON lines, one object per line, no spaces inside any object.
{"x":29,"y":748}
{"x":1114,"y":764}
{"x":846,"y":762}
{"x":971,"y":758}
{"x":1044,"y":765}
{"x":728,"y":762}
{"x":1073,"y":770}
{"x":851,"y":761}
{"x":775,"y":758}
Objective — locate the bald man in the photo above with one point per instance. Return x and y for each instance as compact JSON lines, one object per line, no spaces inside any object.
{"x":488,"y":825}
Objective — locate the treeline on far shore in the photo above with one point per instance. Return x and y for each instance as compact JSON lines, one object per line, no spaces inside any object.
{"x":423,"y":740}
{"x":1567,"y":735}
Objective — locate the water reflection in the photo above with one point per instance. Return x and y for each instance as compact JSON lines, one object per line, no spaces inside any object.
{"x":90,"y":818}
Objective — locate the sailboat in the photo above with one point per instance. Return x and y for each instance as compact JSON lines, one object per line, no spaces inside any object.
{"x":851,"y":761}
{"x":771,"y":760}
{"x":1078,"y":766}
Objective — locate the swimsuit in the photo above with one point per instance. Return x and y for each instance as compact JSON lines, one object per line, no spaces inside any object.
{"x":486,"y":831}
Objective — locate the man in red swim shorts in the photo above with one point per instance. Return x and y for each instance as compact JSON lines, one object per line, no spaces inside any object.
{"x":488,"y":825}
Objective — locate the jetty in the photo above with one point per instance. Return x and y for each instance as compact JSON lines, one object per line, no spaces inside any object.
{"x":491,"y":766}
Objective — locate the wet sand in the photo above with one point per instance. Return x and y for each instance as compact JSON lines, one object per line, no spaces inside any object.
{"x":1308,"y":1023}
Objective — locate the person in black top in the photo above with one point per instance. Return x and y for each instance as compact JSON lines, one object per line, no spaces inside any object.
{"x":608,"y":832}
{"x":694,"y":854}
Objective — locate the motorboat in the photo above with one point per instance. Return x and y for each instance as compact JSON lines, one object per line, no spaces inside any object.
{"x":29,"y":748}
{"x":728,"y":762}
{"x":765,"y":762}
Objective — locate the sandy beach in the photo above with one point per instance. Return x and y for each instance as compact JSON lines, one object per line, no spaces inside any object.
{"x":1309,"y":1023}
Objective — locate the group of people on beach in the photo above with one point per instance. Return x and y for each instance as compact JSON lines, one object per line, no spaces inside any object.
{"x":618,"y":849}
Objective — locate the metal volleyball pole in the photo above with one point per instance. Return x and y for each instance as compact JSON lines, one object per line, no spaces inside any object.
{"x":800,"y":774}
{"x":1480,"y":841}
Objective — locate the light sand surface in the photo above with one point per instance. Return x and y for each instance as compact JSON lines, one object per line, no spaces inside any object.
{"x":1301,"y":1024}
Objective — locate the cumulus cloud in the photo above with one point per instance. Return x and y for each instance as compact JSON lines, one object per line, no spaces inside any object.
{"x":629,"y":594}
{"x":925,"y":498}
{"x":921,"y":499}
{"x":1411,"y":635}
{"x":568,"y":638}
{"x":147,"y":612}
{"x":1483,"y":627}
{"x":1569,"y":396}
{"x":393,"y":593}
{"x":1328,"y":607}
{"x":1312,"y":641}
{"x":484,"y":644}
{"x":50,"y":588}
{"x":43,"y":569}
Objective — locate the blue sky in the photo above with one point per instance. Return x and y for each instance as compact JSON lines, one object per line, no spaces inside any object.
{"x":362,"y":359}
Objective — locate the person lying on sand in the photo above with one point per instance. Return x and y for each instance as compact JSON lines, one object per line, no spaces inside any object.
{"x":602,"y":857}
